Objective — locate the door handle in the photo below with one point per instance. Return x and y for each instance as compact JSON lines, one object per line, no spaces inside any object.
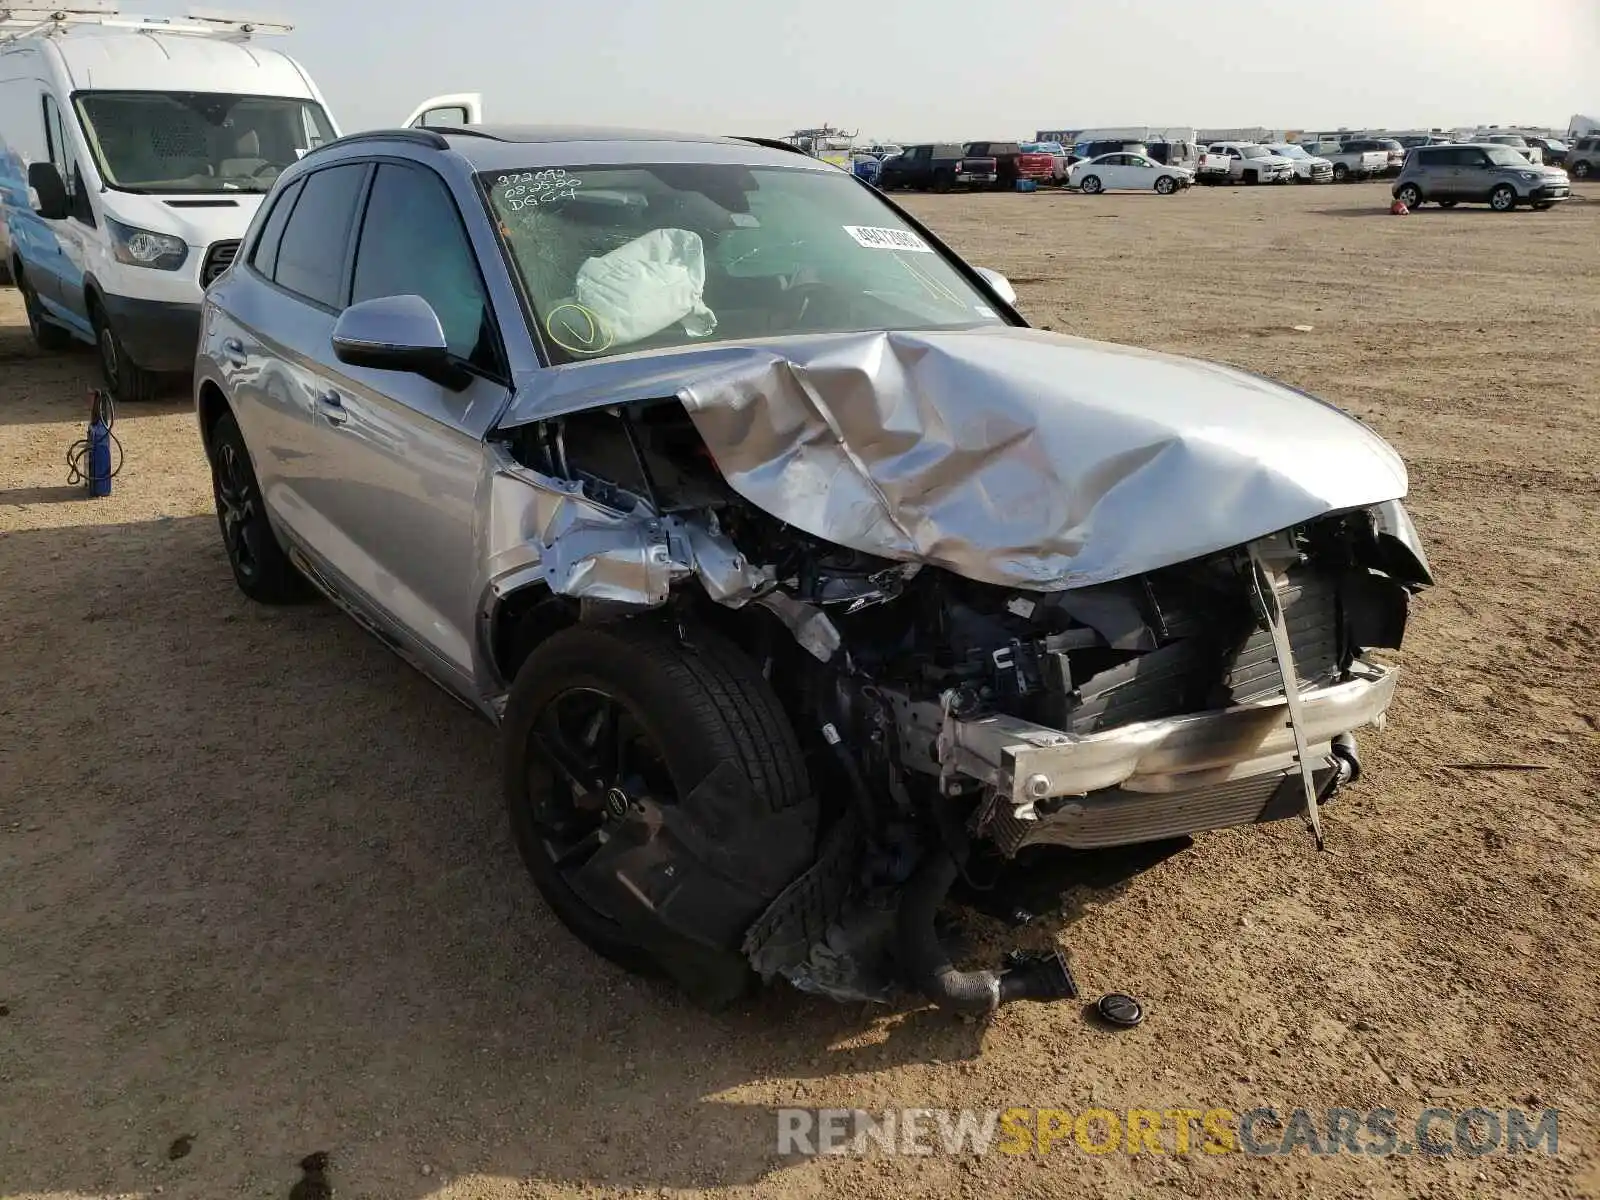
{"x":233,"y":351}
{"x":331,"y":405}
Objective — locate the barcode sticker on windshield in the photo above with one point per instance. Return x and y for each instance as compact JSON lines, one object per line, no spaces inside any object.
{"x":874,"y":238}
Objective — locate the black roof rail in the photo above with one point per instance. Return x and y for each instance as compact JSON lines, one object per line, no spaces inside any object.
{"x":419,"y":137}
{"x":477,"y":131}
{"x":771,"y":144}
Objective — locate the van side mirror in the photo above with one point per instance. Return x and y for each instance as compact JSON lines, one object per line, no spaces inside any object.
{"x":50,"y":198}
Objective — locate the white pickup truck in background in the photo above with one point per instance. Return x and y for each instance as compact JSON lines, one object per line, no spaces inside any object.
{"x":1252,"y":163}
{"x":1211,"y":169}
{"x":1351,"y":164}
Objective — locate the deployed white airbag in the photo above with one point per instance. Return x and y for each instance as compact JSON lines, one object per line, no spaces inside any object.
{"x":641,"y":288}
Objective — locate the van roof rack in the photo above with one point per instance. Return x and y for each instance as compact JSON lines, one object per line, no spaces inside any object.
{"x":18,"y":22}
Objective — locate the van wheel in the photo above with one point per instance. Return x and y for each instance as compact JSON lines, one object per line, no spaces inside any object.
{"x":1410,"y":195}
{"x":46,"y":335}
{"x":1090,"y":184}
{"x":126,"y":380}
{"x":1166,"y":185}
{"x":1503,"y":198}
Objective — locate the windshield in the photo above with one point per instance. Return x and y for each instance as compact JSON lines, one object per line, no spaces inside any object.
{"x":1289,"y":151}
{"x":197,"y":141}
{"x":1253,"y":151}
{"x":1505,"y":156}
{"x":620,"y":258}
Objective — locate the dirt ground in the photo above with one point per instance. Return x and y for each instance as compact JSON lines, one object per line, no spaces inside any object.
{"x":257,"y":887}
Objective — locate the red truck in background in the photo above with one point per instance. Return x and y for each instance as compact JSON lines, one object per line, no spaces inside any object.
{"x":1013,"y":163}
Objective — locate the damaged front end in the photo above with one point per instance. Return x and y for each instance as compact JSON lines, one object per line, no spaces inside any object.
{"x":957,"y":707}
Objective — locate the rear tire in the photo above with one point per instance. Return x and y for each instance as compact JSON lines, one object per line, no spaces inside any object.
{"x":1581,"y":170}
{"x":942,"y":183}
{"x":1503,"y":198}
{"x":1341,"y":173}
{"x":125,"y":379}
{"x":260,"y":566}
{"x":46,"y":335}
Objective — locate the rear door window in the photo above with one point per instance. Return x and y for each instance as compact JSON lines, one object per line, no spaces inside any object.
{"x":265,"y":256}
{"x":315,"y":243}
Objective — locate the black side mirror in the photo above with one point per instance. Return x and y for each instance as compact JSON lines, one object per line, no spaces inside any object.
{"x":50,"y":191}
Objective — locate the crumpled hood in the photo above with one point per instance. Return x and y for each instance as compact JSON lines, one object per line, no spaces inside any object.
{"x":1008,"y":455}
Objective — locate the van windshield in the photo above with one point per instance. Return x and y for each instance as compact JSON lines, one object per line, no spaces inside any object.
{"x":620,"y":258}
{"x":197,"y":141}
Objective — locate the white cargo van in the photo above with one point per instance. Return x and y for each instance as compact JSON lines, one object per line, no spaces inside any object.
{"x":134,"y":152}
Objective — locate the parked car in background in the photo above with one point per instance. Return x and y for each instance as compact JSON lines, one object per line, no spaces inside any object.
{"x":1211,"y":169}
{"x":1552,"y":151}
{"x":937,"y":167}
{"x":1349,"y":163}
{"x":1095,"y":147}
{"x":1583,"y":157}
{"x":1486,"y":173}
{"x":866,"y":166}
{"x":1517,"y":142}
{"x":1251,"y":163}
{"x":1394,"y":154}
{"x":1308,"y":168}
{"x":1174,"y":154}
{"x":1060,"y":158}
{"x":1124,"y":172}
{"x":1012,"y":163}
{"x":799,"y":575}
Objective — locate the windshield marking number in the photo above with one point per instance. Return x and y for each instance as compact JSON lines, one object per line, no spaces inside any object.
{"x":875,"y":238}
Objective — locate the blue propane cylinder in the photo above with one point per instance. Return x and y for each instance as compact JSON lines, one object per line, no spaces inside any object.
{"x":99,"y":475}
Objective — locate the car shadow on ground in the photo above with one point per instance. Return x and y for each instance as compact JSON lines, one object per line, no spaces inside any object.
{"x":260,"y":893}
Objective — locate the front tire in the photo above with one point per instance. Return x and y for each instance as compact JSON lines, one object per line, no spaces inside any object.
{"x":1410,"y":195}
{"x":46,"y":335}
{"x":606,"y":723}
{"x":1166,"y":185}
{"x":1092,"y":185}
{"x":1503,"y":198}
{"x":125,"y":379}
{"x":260,"y":566}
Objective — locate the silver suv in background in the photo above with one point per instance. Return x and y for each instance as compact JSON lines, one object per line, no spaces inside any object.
{"x":1498,"y":176}
{"x":1583,"y":157}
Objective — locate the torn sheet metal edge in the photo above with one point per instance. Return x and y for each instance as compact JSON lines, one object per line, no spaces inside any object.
{"x":1266,"y":589}
{"x":547,"y":529}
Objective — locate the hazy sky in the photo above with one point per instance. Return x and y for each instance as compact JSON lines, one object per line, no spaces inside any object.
{"x":955,"y":68}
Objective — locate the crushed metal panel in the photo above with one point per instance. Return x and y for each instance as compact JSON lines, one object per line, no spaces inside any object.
{"x":1007,"y":455}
